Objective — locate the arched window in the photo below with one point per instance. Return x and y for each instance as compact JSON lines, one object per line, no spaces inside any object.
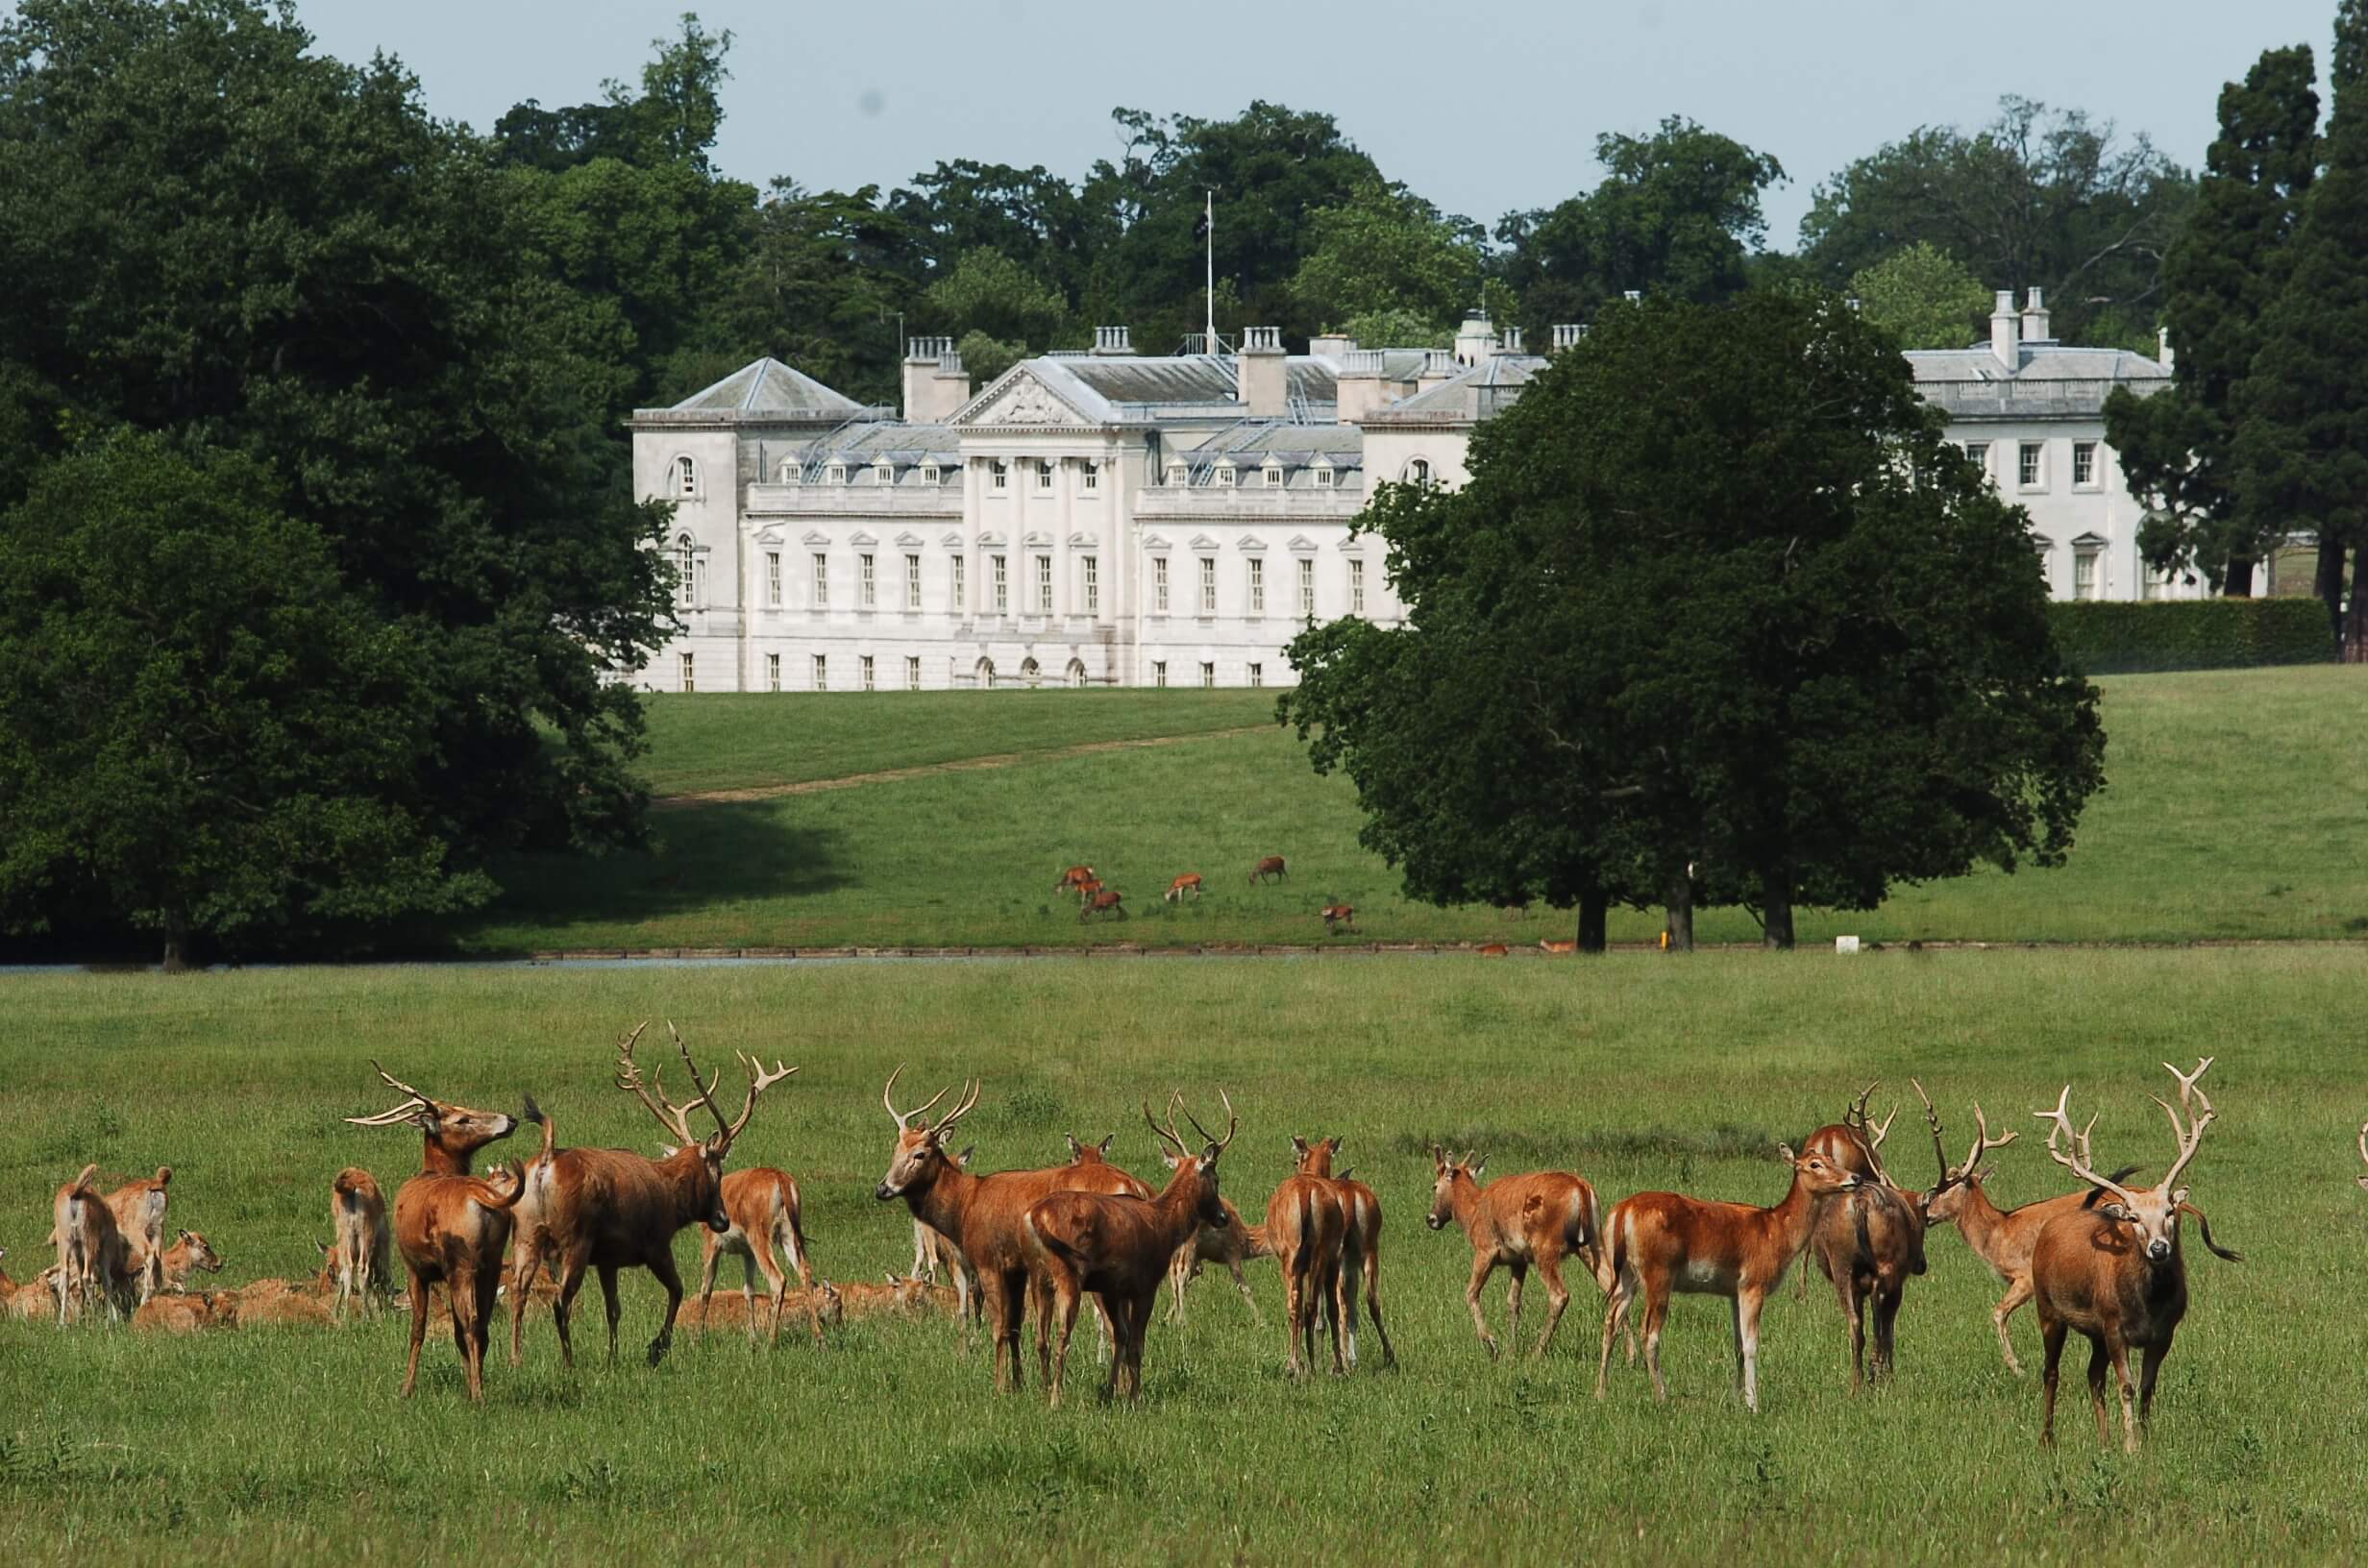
{"x":985,"y":674}
{"x":686,"y":569}
{"x":687,"y":479}
{"x":1030,"y":672}
{"x":1077,"y":674}
{"x":1418,"y":473}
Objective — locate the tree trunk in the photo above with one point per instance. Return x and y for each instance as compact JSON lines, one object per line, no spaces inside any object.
{"x":1677,"y":893}
{"x":2355,"y":633}
{"x":2328,"y":584}
{"x":1594,"y":912}
{"x":2238,"y":583}
{"x":176,"y":941}
{"x":1776,"y":919}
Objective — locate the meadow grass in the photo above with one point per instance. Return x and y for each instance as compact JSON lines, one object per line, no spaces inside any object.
{"x":1640,"y":1072}
{"x":2233,"y":800}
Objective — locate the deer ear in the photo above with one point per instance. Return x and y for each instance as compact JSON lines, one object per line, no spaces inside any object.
{"x":1075,"y":1147}
{"x":1786,"y":1150}
{"x":1104,"y":1145}
{"x":164,"y":1175}
{"x":2178,"y":1197}
{"x":964,"y":1158}
{"x":186,"y":1236}
{"x":2113,"y":1209}
{"x":1478,"y":1168}
{"x":1298,"y":1143}
{"x":1983,"y":1175}
{"x":1438,"y":1158}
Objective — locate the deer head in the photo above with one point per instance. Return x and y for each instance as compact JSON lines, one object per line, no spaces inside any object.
{"x":675,"y":1118}
{"x":920,"y":1153}
{"x":1947,"y":1200}
{"x":455,"y":1129}
{"x":1815,"y":1174}
{"x":2152,"y":1211}
{"x":1447,"y":1172}
{"x":1315,"y":1158}
{"x":1211,"y":1208}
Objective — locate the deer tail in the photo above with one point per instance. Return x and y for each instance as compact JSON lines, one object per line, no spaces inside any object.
{"x":2217,"y":1250}
{"x":1302,"y":1256}
{"x":487,"y":1199}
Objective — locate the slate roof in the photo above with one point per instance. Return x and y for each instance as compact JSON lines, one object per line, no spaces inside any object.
{"x":2050,"y":380}
{"x":859,"y":446}
{"x":764,"y":391}
{"x":1477,"y":393}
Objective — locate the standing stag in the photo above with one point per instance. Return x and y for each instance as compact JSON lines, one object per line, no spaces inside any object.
{"x":2114,"y":1273}
{"x":1360,"y":1239}
{"x":1518,"y":1223}
{"x":611,"y":1210}
{"x":934,"y":1253}
{"x":1665,"y":1242}
{"x":450,"y":1225}
{"x":1119,"y":1247}
{"x":1870,"y":1241}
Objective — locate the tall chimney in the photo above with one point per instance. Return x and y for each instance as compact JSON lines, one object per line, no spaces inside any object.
{"x":2162,"y":348}
{"x":1475,"y":341}
{"x":2035,"y":319}
{"x":1362,"y":389}
{"x":1333,"y":346}
{"x":934,"y":383}
{"x":1262,"y":372}
{"x":2003,"y":339}
{"x":1113,"y":340}
{"x":1566,"y":335}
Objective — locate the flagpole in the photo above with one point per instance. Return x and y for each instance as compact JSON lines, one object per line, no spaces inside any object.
{"x":1208,"y":230}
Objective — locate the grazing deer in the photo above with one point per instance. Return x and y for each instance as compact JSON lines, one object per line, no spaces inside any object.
{"x":1360,"y":1238}
{"x":137,"y":1208}
{"x":1232,"y":1244}
{"x":1550,"y":946}
{"x":1518,"y":1223}
{"x":1665,"y":1242}
{"x":762,"y":1206}
{"x":93,"y":1265}
{"x":1074,"y":876}
{"x":1342,"y":914}
{"x":1119,"y":1247}
{"x":357,"y":1252}
{"x":1101,"y":903}
{"x":2114,"y":1273}
{"x":1306,"y":1229}
{"x":1189,"y":882}
{"x":1085,"y":891}
{"x":2004,"y":1238}
{"x":1271,"y":867}
{"x":1870,"y":1241}
{"x":451,"y":1227}
{"x":609,"y":1210}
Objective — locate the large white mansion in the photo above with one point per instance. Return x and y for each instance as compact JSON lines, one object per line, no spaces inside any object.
{"x":1109,"y":517}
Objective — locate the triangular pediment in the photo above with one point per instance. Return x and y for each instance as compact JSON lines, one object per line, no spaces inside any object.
{"x":1037,"y":537}
{"x":991,"y":539}
{"x":2089,"y":540}
{"x":1201,"y":541}
{"x":953,"y":540}
{"x":909,"y":540}
{"x":1019,"y":398}
{"x":1252,"y":544}
{"x":864,"y":537}
{"x":771,"y":537}
{"x":1081,"y":541}
{"x":815,"y":536}
{"x":1300,"y":545}
{"x":1155,"y":542}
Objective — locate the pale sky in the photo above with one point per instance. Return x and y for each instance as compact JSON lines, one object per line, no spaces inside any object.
{"x":1482,"y":109}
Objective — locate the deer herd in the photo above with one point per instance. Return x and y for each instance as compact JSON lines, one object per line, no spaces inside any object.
{"x":2102,"y":1260}
{"x":1094,"y":897}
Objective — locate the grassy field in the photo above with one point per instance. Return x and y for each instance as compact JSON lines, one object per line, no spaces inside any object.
{"x":2232,"y":801}
{"x":1639,"y":1072}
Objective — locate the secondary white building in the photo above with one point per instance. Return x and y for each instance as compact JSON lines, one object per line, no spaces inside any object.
{"x":1107,"y":516}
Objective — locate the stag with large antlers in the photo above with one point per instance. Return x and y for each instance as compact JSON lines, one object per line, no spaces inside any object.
{"x":1119,"y":1247}
{"x":611,"y":1210}
{"x":1870,"y":1241}
{"x":451,"y":1227}
{"x":2114,"y":1273}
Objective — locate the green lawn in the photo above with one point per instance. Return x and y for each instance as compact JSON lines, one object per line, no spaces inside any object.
{"x":1638,"y":1071}
{"x":2234,"y":807}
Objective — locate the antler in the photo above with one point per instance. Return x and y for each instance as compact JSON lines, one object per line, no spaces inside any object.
{"x":760,"y":1079}
{"x":706,"y":1090}
{"x":405,"y":1111}
{"x":1931,"y":1119}
{"x":962,"y":1107}
{"x":1167,"y":1134}
{"x":903,"y":1118}
{"x":2191,"y":1136}
{"x":675,"y":1119}
{"x":1856,"y":1115}
{"x":1217,"y":1145}
{"x":2075,"y":1160}
{"x":1982,"y":1143}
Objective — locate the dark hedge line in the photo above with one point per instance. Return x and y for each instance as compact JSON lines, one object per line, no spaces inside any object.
{"x":2112,"y":639}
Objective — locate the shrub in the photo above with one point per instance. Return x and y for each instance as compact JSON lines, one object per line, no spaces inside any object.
{"x":2110,"y":639}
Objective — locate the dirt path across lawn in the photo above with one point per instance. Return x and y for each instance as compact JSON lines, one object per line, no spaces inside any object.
{"x":960,"y":765}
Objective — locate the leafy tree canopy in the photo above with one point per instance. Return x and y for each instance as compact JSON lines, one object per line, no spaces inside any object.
{"x":988,"y":293}
{"x":1387,"y":254}
{"x":1922,"y":297}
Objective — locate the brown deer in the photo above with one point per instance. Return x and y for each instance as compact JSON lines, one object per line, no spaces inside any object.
{"x":745,"y":1311}
{"x":1341,"y":915}
{"x":1306,"y":1229}
{"x":2114,"y":1273}
{"x":1101,"y":903}
{"x":611,"y":1210}
{"x":1665,"y":1242}
{"x":93,"y":1266}
{"x":451,"y":1227}
{"x":189,"y":1254}
{"x":1189,"y":882}
{"x":1517,"y":1223}
{"x":2004,"y":1238}
{"x":903,"y":1295}
{"x":1086,"y":890}
{"x":2363,"y":1152}
{"x":173,"y":1313}
{"x":1869,"y":1243}
{"x":1494,"y":949}
{"x":1232,"y":1244}
{"x":934,"y":1253}
{"x":1074,"y":876}
{"x":138,"y":1211}
{"x":1273,"y":867}
{"x":357,"y":1251}
{"x":762,"y":1206}
{"x":1360,"y":1238}
{"x":1119,"y":1247}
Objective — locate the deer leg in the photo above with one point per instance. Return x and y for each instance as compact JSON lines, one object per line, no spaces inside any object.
{"x":1242,"y":1285}
{"x":419,"y":1330}
{"x":1372,"y":1304}
{"x":481,"y":1286}
{"x":1336,"y":1307}
{"x":1294,"y":1292}
{"x":1039,"y":1307}
{"x":2018,"y":1291}
{"x":1888,"y":1297}
{"x":1346,"y":1295}
{"x":609,"y":1298}
{"x":776,"y":1284}
{"x":1854,"y":1314}
{"x":1557,"y":1297}
{"x":522,"y":1256}
{"x":1747,"y":1332}
{"x":1656,"y":1310}
{"x":563,"y":1304}
{"x":662,"y":1265}
{"x":2117,"y":1351}
{"x":1064,"y":1296}
{"x":791,"y":1244}
{"x":2098,"y":1360}
{"x":2051,"y":1340}
{"x":1482,"y":1264}
{"x":1516,"y":1275}
{"x":1180,"y":1271}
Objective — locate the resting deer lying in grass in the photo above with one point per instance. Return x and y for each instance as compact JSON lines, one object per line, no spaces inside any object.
{"x":762,"y":1206}
{"x":1666,"y":1244}
{"x":1232,"y":1244}
{"x":358,"y":1250}
{"x":189,"y":1254}
{"x":1360,"y":1239}
{"x":609,"y":1210}
{"x":1517,"y":1223}
{"x":2113,"y":1274}
{"x":746,"y":1311}
{"x":896,"y":1295}
{"x":451,"y":1227}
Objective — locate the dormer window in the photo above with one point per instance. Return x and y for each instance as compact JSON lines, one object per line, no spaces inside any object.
{"x":1223,"y":476}
{"x":1274,"y":473}
{"x":1178,"y":475}
{"x":928,"y":473}
{"x":1323,"y":475}
{"x":882,"y":474}
{"x":835,"y":474}
{"x":686,"y":477}
{"x":790,"y":472}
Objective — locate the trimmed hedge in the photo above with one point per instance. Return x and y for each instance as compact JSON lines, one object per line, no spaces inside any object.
{"x":2113,"y":638}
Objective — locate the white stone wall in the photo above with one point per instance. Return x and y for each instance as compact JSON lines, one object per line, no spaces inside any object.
{"x":2066,"y":515}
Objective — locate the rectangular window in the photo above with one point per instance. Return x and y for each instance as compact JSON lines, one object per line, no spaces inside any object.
{"x":1977,"y":452}
{"x":1044,"y":585}
{"x":912,"y":673}
{"x":1257,"y":674}
{"x":1323,"y":477}
{"x":999,"y":473}
{"x":2152,"y":584}
{"x":822,"y":673}
{"x":867,"y":592}
{"x":1274,"y":478}
{"x":1159,"y":585}
{"x":773,"y":671}
{"x":1089,"y":477}
{"x":822,"y":581}
{"x":1208,"y":585}
{"x":2027,"y":470}
{"x":1159,"y":672}
{"x":960,"y":596}
{"x":912,"y":583}
{"x":2083,"y":574}
{"x":1089,"y":584}
{"x":2084,"y":463}
{"x":1307,"y":589}
{"x":1356,"y":587}
{"x":1208,"y":674}
{"x":699,"y":579}
{"x":865,"y":665}
{"x":772,"y":578}
{"x":1044,"y":474}
{"x":1257,"y":586}
{"x":1000,"y":573}
{"x":689,"y":671}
